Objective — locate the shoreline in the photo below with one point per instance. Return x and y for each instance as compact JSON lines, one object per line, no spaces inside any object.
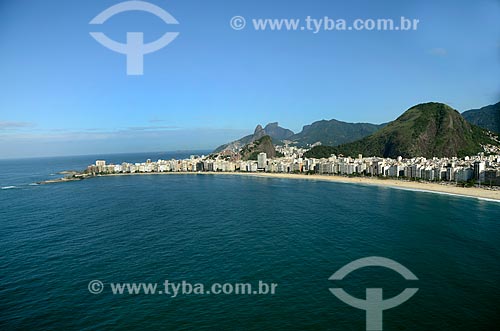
{"x":426,"y":187}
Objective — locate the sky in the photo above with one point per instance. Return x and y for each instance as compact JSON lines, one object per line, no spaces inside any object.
{"x":63,"y":93}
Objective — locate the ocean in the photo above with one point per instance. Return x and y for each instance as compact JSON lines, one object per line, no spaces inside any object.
{"x":218,"y":229}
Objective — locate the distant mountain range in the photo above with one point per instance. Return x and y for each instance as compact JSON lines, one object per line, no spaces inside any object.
{"x":322,"y":132}
{"x":272,"y":130}
{"x":487,"y":117}
{"x":429,"y":129}
{"x":333,"y":133}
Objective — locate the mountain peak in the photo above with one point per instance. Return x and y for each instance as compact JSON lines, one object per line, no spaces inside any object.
{"x":271,"y":125}
{"x":273,"y":130}
{"x":258,"y":133}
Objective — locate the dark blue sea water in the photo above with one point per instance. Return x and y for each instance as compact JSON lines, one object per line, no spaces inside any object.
{"x":54,"y":239}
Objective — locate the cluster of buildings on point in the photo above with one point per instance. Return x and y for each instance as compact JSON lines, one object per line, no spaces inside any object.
{"x":480,"y":168}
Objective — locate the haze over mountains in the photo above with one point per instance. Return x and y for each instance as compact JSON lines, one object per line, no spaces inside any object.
{"x":273,"y":130}
{"x":487,"y":117}
{"x":333,"y":132}
{"x":322,"y":132}
{"x":429,"y":129}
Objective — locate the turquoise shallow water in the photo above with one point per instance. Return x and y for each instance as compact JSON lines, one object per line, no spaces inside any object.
{"x":54,"y":239}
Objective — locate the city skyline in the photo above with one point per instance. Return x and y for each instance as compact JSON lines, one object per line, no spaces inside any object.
{"x":465,"y":171}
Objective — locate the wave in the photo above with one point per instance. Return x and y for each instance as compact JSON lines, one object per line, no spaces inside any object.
{"x":443,"y":193}
{"x":488,"y":199}
{"x":8,"y":187}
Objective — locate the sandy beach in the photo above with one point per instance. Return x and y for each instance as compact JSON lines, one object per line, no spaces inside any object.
{"x":472,"y":192}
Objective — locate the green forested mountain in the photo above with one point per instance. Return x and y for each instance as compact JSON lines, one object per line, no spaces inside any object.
{"x":333,"y":132}
{"x":429,"y":129}
{"x":262,"y":145}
